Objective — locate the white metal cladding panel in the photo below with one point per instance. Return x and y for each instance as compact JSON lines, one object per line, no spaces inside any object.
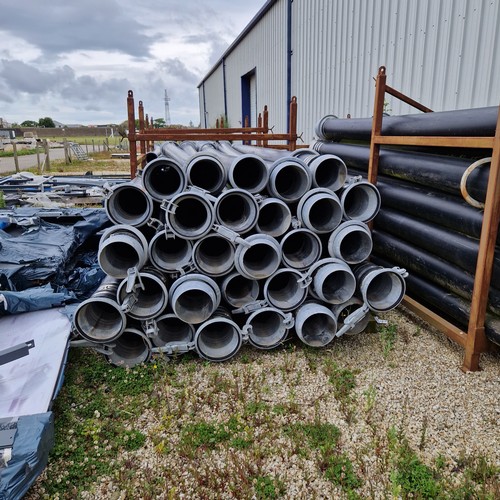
{"x":264,"y":48}
{"x":443,"y":53}
{"x":214,"y":97}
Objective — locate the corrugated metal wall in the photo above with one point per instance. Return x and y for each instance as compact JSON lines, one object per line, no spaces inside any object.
{"x":214,"y":98}
{"x":264,"y":49}
{"x":443,"y":53}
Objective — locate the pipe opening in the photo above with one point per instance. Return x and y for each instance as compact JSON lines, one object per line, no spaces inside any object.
{"x":261,"y":260}
{"x":170,"y":253}
{"x":385,"y":291}
{"x":283,"y":291}
{"x":116,"y":257}
{"x":291,"y":183}
{"x":150,"y":301}
{"x":361,"y":202}
{"x":268,"y":329}
{"x":338,"y":287}
{"x":172,"y":330}
{"x":164,"y":180}
{"x":355,"y":247}
{"x":191,"y":215}
{"x":274,"y":219}
{"x":194,"y":306}
{"x":330,"y":173}
{"x":318,"y":329}
{"x":234,"y":211}
{"x":214,"y":255}
{"x":218,"y":340}
{"x":325,"y":215}
{"x":130,"y":349}
{"x":249,"y":174}
{"x":300,"y":250}
{"x":127,"y":204}
{"x":99,"y":321}
{"x":239,"y":291}
{"x":207,"y":174}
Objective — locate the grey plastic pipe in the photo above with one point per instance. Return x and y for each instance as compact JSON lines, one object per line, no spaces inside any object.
{"x":382,"y":289}
{"x":213,"y":255}
{"x":194,"y":298}
{"x":144,"y":296}
{"x":237,"y":290}
{"x":190,"y":215}
{"x":274,"y":217}
{"x":100,"y":318}
{"x":120,"y":248}
{"x":285,"y":289}
{"x":351,"y":241}
{"x":289,"y":179}
{"x":268,"y":327}
{"x":259,"y":257}
{"x":360,"y":200}
{"x":168,"y":253}
{"x":320,"y":210}
{"x":301,"y":248}
{"x":315,"y":324}
{"x":219,"y":338}
{"x":332,"y":281}
{"x":170,"y":330}
{"x":328,"y":171}
{"x":163,"y":178}
{"x":132,"y":348}
{"x":237,"y":210}
{"x":129,"y":203}
{"x":346,"y":309}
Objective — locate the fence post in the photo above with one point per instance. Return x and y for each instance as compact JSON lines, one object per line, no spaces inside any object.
{"x":16,"y":159}
{"x":38,"y":167}
{"x":47,"y":157}
{"x":86,"y":147}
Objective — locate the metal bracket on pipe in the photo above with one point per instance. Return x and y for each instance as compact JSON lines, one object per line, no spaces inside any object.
{"x":399,"y":270}
{"x":173,"y":349}
{"x":296,"y":224}
{"x":251,"y":307}
{"x":230,"y":235}
{"x":168,"y":206}
{"x":305,"y":281}
{"x":150,"y":328}
{"x":289,"y":321}
{"x":185,"y":269}
{"x":107,"y":189}
{"x":380,"y":321}
{"x":156,"y":224}
{"x":353,"y":319}
{"x":129,"y":302}
{"x":100,"y":348}
{"x":245,"y":332}
{"x":201,"y":192}
{"x":353,"y":179}
{"x":133,"y":276}
{"x":259,"y":198}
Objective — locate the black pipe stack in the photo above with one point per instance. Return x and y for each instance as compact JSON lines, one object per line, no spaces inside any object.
{"x":424,"y":224}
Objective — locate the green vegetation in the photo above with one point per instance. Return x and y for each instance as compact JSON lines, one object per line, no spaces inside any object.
{"x":20,"y":152}
{"x":388,"y":334}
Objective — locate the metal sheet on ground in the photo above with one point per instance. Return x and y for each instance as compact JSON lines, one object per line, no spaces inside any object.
{"x":27,"y":384}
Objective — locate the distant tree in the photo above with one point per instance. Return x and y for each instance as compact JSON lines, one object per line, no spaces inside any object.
{"x":15,"y":125}
{"x":159,"y":123}
{"x":29,"y":123}
{"x":46,"y":122}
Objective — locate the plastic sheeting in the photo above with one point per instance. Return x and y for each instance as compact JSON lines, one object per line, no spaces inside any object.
{"x":33,"y":440}
{"x":37,"y":246}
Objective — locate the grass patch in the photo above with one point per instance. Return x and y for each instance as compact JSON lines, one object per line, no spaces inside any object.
{"x":268,"y":488}
{"x":388,"y":334}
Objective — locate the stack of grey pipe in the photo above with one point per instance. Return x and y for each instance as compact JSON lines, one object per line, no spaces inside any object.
{"x":425,"y":224}
{"x":215,"y":245}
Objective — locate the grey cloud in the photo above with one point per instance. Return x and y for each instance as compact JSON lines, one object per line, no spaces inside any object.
{"x":83,"y":25}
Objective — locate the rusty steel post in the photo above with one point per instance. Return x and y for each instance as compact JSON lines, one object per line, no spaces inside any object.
{"x":131,"y":134}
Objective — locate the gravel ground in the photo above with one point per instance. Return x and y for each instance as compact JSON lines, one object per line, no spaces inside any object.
{"x":412,"y":383}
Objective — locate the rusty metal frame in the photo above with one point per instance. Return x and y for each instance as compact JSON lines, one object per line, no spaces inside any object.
{"x":146,"y":135}
{"x":474,"y":340}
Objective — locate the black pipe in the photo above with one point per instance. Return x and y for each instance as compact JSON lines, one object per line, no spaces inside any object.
{"x":430,"y":267}
{"x":437,"y":171}
{"x":448,"y":305}
{"x":476,"y":122}
{"x":453,"y":247}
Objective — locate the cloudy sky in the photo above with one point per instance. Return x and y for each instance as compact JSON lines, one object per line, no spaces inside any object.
{"x":75,"y":60}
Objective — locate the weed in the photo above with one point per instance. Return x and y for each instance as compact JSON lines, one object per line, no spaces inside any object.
{"x":339,"y":470}
{"x":2,"y":200}
{"x":388,"y":338}
{"x":344,"y":382}
{"x":268,"y":488}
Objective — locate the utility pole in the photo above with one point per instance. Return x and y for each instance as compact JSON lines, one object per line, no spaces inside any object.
{"x":167,"y":110}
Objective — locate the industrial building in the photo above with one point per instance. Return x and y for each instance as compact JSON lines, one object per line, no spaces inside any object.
{"x":442,"y":53}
